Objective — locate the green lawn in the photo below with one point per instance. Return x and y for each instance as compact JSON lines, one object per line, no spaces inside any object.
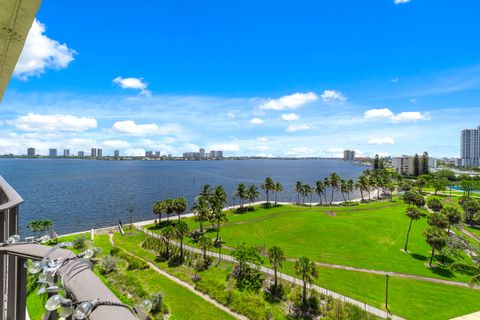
{"x":368,"y":236}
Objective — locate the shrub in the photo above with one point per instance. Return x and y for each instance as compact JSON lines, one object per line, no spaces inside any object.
{"x":114,"y":251}
{"x":157,"y":303}
{"x":434,"y":203}
{"x":79,"y":243}
{"x":108,"y":264}
{"x":133,"y":263}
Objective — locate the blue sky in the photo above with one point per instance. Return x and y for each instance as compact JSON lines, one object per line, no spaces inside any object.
{"x":273,"y":78}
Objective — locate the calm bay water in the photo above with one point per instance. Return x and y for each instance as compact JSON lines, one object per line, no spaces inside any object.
{"x":82,"y":194}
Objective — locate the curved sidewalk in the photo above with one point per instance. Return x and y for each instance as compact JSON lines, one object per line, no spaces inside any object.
{"x":371,"y":309}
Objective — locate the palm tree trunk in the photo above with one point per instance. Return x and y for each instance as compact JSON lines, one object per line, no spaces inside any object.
{"x":298,"y":197}
{"x":218,"y":228}
{"x":331,"y":199}
{"x":304,"y":292}
{"x":343,"y":195}
{"x":275,"y":198}
{"x":267,"y":195}
{"x":431,"y":258}
{"x":275,"y":277}
{"x":361,"y":194}
{"x":181,"y":248}
{"x":408,"y":234}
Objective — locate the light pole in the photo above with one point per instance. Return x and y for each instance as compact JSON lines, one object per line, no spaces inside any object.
{"x":386,"y":292}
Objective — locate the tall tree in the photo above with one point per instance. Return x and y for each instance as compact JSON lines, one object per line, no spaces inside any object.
{"x":364,"y":185}
{"x":416,"y":165}
{"x":307,"y":191}
{"x":334,"y":183}
{"x":180,"y":205}
{"x":278,"y":189}
{"x":298,"y":190}
{"x":376,"y":162}
{"x":219,"y":201}
{"x":159,"y":208}
{"x":181,"y":230}
{"x":320,"y":189}
{"x":253,"y":193}
{"x":201,"y":208}
{"x":267,"y":185}
{"x":425,"y":169}
{"x":436,"y":238}
{"x":241,"y":193}
{"x":350,"y":188}
{"x":454,"y":216}
{"x":308,"y":271}
{"x":205,"y":243}
{"x":414,"y":214}
{"x":343,"y":189}
{"x":168,"y":233}
{"x":276,"y":258}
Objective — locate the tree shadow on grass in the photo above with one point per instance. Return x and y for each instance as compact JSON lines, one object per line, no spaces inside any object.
{"x":418,"y":256}
{"x":442,"y":271}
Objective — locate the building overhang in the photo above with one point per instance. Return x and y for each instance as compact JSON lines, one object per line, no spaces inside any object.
{"x":16,"y":18}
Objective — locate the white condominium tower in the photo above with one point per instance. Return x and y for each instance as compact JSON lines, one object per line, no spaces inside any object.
{"x":470,"y":147}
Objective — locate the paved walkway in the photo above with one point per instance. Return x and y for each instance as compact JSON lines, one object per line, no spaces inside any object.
{"x":371,"y":309}
{"x":185,"y":285}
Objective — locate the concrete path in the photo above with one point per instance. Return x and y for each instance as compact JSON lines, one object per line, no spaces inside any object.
{"x":185,"y":285}
{"x":371,"y":309}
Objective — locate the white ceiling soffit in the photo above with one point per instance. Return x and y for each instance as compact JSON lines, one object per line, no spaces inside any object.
{"x":16,"y":18}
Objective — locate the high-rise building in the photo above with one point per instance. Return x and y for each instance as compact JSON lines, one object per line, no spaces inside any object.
{"x":93,"y":153}
{"x":202,"y":153}
{"x":99,"y":153}
{"x":66,"y":152}
{"x":52,"y":152}
{"x":116,"y":153}
{"x":470,"y":147}
{"x":216,"y":154}
{"x":405,"y":164}
{"x":348,"y":155}
{"x":31,"y":152}
{"x":81,"y":154}
{"x":157,"y":154}
{"x":149,"y":154}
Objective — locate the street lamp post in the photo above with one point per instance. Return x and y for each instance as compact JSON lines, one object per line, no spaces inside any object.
{"x":386,"y":292}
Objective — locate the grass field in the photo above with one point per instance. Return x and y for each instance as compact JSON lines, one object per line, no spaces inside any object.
{"x":369,"y":236}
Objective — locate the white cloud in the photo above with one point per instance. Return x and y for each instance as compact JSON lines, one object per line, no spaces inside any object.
{"x":335,"y":152}
{"x":131,"y":128}
{"x":298,"y":127}
{"x":410,"y":116}
{"x":401,"y":1}
{"x":116,"y":144}
{"x":262,"y":148}
{"x":381,"y":141}
{"x":55,"y":122}
{"x":292,"y":101}
{"x":332,"y":96}
{"x":133,"y":83}
{"x":378,"y":113}
{"x":299,"y":151}
{"x":231,"y":114}
{"x":290,"y":117}
{"x":40,"y":52}
{"x":262,"y":139}
{"x":394,"y":80}
{"x":256,"y":121}
{"x":229,"y":147}
{"x":413,"y":100}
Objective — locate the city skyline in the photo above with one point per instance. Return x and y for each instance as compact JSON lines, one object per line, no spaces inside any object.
{"x":374,"y":99}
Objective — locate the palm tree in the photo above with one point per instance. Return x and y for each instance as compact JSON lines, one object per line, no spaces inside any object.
{"x":267,"y":186}
{"x":414,"y":214}
{"x":201,"y":209}
{"x":253,"y":193}
{"x":308,"y":271}
{"x":453,"y":215}
{"x":206,"y":191}
{"x":364,"y":185}
{"x":343,"y":189}
{"x":169,"y":207}
{"x":276,"y":258}
{"x":180,"y":205}
{"x":241,"y":193}
{"x":350,"y":188}
{"x":278,"y":189}
{"x":181,"y":230}
{"x":159,"y":208}
{"x":436,"y":238}
{"x":205,"y":243}
{"x":334,"y":183}
{"x":320,"y":189}
{"x":168,"y":233}
{"x":298,"y":190}
{"x":307,"y":191}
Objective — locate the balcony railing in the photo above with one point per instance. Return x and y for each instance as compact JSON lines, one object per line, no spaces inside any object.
{"x":79,"y":281}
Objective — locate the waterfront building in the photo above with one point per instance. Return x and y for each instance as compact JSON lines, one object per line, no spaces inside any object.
{"x":116,"y":153}
{"x":149,"y":154}
{"x":202,"y":152}
{"x":348,"y":155}
{"x":470,"y":147}
{"x":31,"y":152}
{"x":93,"y":153}
{"x":405,"y":164}
{"x":216,"y":154}
{"x":52,"y":152}
{"x":99,"y":153}
{"x":66,"y":152}
{"x":157,"y":154}
{"x":81,"y":154}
